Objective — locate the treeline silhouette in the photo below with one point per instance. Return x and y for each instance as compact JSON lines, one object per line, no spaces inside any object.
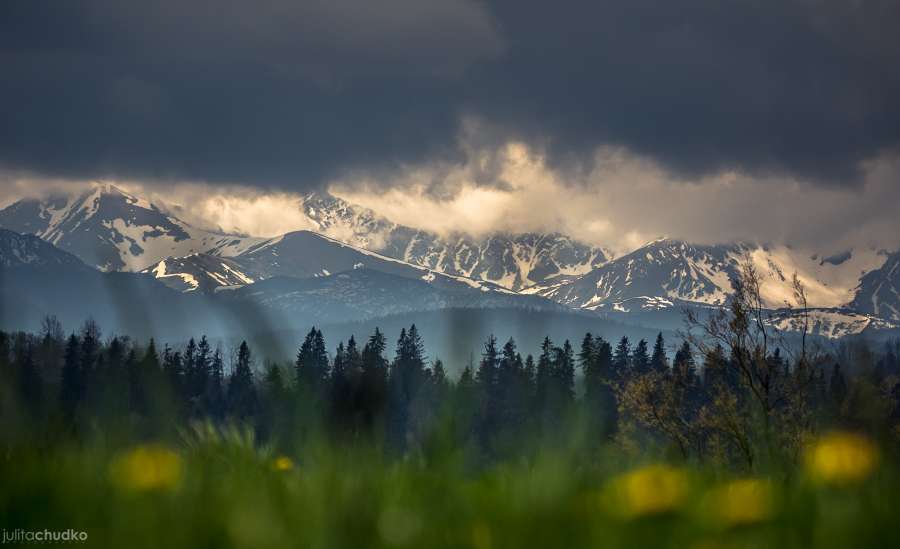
{"x":701,"y":403}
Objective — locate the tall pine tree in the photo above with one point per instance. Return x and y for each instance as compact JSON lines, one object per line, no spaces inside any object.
{"x":242,"y":401}
{"x":621,"y":360}
{"x":658,"y":361}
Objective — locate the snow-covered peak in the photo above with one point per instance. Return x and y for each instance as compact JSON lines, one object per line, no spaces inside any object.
{"x":113,"y":230}
{"x":338,"y":219}
{"x":669,"y":269}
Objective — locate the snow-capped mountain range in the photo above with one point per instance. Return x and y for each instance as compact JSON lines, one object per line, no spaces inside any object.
{"x":852,"y":290}
{"x":298,"y":254}
{"x":37,"y":279}
{"x":115,"y":231}
{"x":513,"y":261}
{"x":850,"y":293}
{"x":666,"y":271}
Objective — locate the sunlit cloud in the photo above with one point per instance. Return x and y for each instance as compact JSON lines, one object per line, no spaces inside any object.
{"x":621,"y":201}
{"x":625,"y":200}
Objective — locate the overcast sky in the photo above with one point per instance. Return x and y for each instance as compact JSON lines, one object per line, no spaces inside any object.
{"x":615,"y":121}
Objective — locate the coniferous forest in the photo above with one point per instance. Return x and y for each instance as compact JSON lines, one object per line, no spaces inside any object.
{"x":695,"y":407}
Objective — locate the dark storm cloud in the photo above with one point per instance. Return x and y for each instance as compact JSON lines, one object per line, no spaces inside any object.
{"x":290,"y":93}
{"x":808,"y":87}
{"x":267,"y":91}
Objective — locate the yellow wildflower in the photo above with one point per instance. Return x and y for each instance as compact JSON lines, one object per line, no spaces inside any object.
{"x":283,"y":463}
{"x":650,"y":490}
{"x":740,"y":502}
{"x":148,"y":467}
{"x":842,"y":458}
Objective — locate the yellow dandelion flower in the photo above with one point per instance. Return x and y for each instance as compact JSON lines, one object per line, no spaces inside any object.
{"x":650,"y":490}
{"x":148,"y":467}
{"x":842,"y":458}
{"x":740,"y":502}
{"x":282,"y":463}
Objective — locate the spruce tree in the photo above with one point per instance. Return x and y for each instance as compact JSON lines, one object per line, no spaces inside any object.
{"x":116,"y":394}
{"x":373,"y":395}
{"x":607,"y":409}
{"x":174,"y":368}
{"x":465,"y":407}
{"x":586,"y":355}
{"x":189,"y":371}
{"x":658,"y":361}
{"x":604,"y":355}
{"x":341,"y":398}
{"x":90,"y":348}
{"x":439,"y":381}
{"x":511,"y":391}
{"x":150,"y":362}
{"x":320,"y":355}
{"x":621,"y":361}
{"x":147,"y":383}
{"x":396,"y":402}
{"x":565,"y":376}
{"x":684,"y":366}
{"x":488,"y":401}
{"x":595,"y":359}
{"x":406,"y":379}
{"x":544,"y":382}
{"x":354,"y":358}
{"x":684,"y":375}
{"x":196,"y":372}
{"x":530,"y":373}
{"x":214,"y":402}
{"x":640,"y":358}
{"x":486,"y":376}
{"x":466,"y":381}
{"x":50,"y":351}
{"x":312,"y":365}
{"x":273,"y":405}
{"x":242,"y":401}
{"x":715,"y":374}
{"x":274,"y":381}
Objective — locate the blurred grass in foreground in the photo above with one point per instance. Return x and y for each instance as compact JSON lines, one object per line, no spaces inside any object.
{"x":219,"y":489}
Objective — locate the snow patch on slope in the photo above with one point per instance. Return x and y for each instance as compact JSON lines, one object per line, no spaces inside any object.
{"x":829,"y":323}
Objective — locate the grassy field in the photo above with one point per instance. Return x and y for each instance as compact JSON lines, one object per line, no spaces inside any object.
{"x":214,"y":489}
